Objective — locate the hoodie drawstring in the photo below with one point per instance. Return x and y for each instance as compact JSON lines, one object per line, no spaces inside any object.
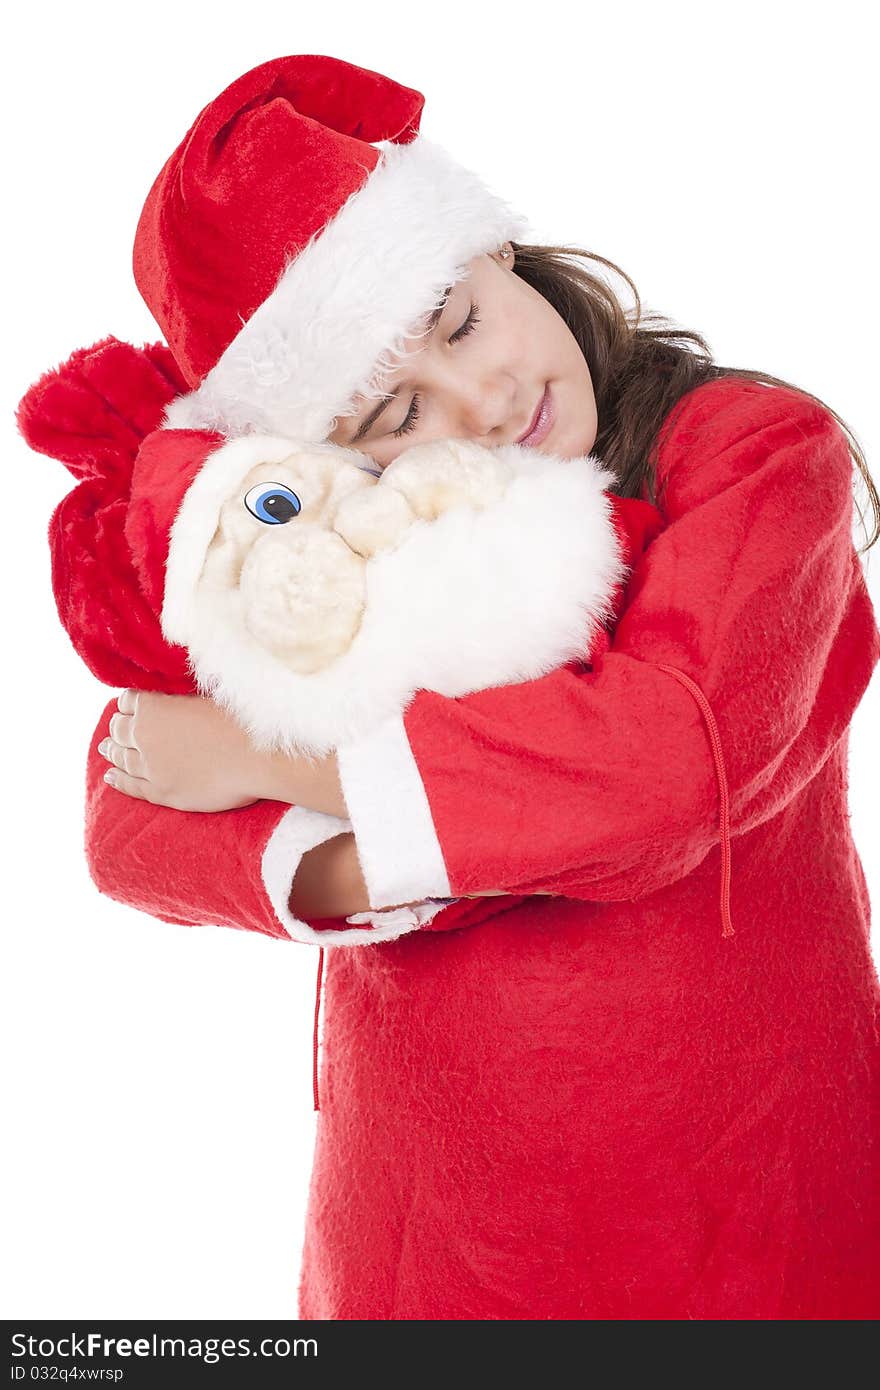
{"x":691,"y":685}
{"x":315,"y":1034}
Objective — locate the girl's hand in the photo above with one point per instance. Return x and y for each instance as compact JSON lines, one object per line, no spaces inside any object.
{"x":183,"y":751}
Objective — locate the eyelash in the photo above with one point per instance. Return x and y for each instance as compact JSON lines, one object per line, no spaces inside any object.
{"x":467,"y":327}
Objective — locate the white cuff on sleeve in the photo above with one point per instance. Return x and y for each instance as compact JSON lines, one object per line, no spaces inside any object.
{"x":298,"y":831}
{"x":400,"y":856}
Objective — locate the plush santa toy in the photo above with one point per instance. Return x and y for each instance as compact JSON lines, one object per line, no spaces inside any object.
{"x":284,"y":578}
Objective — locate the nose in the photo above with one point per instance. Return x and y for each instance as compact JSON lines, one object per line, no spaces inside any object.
{"x":473,"y":404}
{"x":481,"y":408}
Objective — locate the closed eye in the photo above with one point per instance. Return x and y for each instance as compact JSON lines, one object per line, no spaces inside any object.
{"x":467,"y":327}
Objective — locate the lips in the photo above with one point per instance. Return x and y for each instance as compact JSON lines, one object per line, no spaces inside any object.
{"x":541,"y":422}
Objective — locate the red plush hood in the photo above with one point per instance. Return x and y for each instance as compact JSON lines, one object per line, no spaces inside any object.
{"x":93,"y":413}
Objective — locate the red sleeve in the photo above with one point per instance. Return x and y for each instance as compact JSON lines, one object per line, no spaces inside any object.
{"x":229,"y":868}
{"x":604,"y":783}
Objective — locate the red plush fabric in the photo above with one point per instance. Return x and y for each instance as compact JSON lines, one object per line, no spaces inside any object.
{"x":93,"y":413}
{"x":594,"y":1106}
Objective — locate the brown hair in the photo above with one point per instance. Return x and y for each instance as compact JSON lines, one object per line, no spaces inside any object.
{"x":639,"y":371}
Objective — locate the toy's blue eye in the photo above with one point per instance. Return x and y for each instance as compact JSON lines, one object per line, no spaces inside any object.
{"x":273,"y":503}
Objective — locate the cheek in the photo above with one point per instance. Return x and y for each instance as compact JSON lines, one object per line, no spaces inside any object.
{"x":574,"y":432}
{"x":382,"y":454}
{"x":588,"y":420}
{"x":587,"y":424}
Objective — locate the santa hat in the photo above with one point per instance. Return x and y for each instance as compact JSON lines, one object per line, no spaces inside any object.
{"x":286,"y":256}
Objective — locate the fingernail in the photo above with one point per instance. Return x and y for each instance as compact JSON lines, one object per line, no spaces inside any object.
{"x":102,"y":746}
{"x":110,"y":777}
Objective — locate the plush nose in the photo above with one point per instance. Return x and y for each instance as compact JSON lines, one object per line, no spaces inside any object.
{"x":303,"y":593}
{"x":371,"y":519}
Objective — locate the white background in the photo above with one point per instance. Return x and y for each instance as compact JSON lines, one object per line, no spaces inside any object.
{"x":159,"y":1107}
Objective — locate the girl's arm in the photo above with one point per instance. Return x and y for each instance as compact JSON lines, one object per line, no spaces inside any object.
{"x":328,"y":881}
{"x":237,"y":868}
{"x":602,"y":784}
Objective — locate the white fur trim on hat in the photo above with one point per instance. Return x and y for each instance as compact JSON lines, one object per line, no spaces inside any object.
{"x":344,"y":306}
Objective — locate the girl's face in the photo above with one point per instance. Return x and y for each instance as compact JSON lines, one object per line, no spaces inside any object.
{"x":480,"y":373}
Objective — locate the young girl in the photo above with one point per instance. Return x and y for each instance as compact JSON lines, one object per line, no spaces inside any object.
{"x":604,"y":1092}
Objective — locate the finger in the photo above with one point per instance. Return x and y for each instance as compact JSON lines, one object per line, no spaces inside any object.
{"x":126,"y":703}
{"x":128,"y":760}
{"x":122,"y":730}
{"x":136,"y":787}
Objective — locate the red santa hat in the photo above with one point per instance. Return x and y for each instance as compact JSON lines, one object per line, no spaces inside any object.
{"x":301,"y":230}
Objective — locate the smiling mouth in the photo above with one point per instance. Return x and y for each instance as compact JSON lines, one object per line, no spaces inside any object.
{"x":541,"y":422}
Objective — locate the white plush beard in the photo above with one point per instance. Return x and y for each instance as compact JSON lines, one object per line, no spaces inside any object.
{"x":483,"y":595}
